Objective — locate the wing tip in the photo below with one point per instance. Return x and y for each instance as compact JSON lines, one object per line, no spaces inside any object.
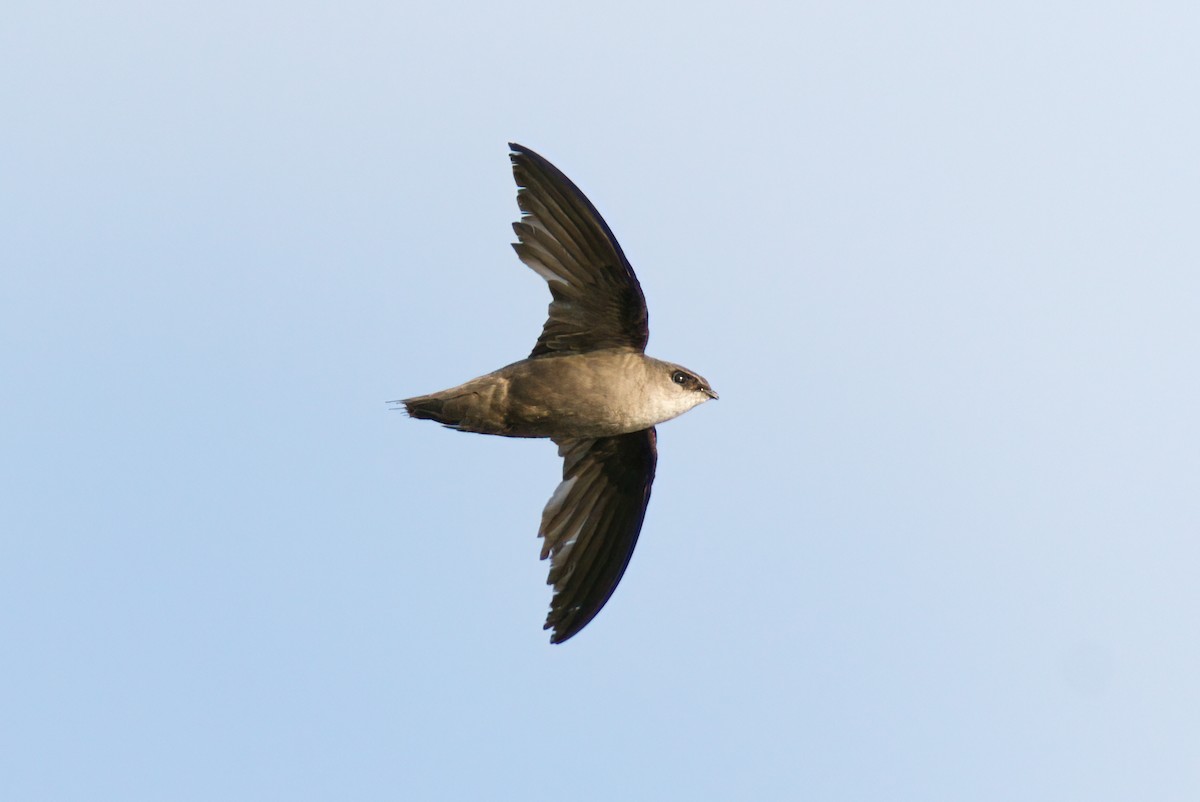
{"x":518,"y":152}
{"x":562,"y":633}
{"x":523,"y":157}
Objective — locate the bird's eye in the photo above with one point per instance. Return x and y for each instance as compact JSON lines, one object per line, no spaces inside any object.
{"x":679,"y":377}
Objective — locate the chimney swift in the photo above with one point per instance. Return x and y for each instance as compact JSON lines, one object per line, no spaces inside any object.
{"x":587,"y":385}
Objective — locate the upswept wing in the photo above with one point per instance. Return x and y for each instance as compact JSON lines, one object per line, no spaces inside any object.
{"x":597,"y":301}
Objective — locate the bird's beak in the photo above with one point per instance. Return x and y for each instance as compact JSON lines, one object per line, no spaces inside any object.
{"x":711,"y":393}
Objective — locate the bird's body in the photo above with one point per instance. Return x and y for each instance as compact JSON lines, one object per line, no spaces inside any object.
{"x":597,"y":394}
{"x":587,"y":385}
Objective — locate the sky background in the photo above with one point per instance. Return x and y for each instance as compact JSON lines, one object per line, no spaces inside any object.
{"x":938,"y":540}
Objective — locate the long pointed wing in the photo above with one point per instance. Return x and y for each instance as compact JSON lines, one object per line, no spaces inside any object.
{"x":592,"y":521}
{"x":597,"y":301}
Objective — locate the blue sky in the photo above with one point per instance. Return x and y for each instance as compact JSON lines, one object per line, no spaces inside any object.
{"x":937,"y":541}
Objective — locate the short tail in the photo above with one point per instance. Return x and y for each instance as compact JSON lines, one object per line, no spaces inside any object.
{"x":428,"y":407}
{"x":457,"y":408}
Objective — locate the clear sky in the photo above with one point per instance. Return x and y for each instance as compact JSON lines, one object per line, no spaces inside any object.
{"x":938,"y":540}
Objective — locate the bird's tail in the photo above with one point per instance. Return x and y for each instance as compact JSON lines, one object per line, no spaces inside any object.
{"x":429,"y":407}
{"x":464,"y":408}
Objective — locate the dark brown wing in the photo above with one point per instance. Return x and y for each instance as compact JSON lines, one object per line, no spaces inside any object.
{"x":591,"y":523}
{"x":597,"y":301}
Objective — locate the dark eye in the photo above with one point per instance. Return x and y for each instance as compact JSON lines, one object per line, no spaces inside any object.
{"x":679,"y":377}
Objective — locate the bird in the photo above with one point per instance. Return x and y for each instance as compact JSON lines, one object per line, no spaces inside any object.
{"x":587,"y":385}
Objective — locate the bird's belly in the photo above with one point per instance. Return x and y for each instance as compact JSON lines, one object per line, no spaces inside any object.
{"x":572,"y":397}
{"x":585,"y":415}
